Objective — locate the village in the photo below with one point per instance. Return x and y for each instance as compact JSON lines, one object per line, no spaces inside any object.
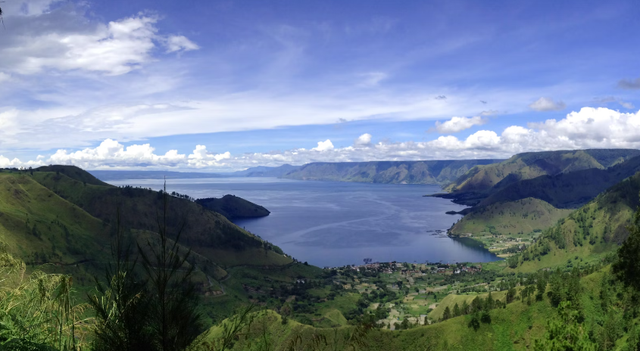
{"x":410,"y":293}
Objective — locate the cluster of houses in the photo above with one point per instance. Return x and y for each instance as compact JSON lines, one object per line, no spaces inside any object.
{"x":417,"y":269}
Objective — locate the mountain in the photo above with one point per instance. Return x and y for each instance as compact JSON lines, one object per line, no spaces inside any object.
{"x":484,"y":178}
{"x":208,"y":233}
{"x":233,"y":207}
{"x":262,"y":171}
{"x":512,"y":218}
{"x":549,"y":198}
{"x":387,"y":172}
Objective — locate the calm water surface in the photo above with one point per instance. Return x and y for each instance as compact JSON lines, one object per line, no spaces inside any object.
{"x":335,"y":223}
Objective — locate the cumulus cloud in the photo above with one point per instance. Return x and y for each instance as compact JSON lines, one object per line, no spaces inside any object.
{"x":547,"y":104}
{"x":630,"y":84}
{"x":16,"y":163}
{"x":110,"y":153}
{"x":363,"y":141}
{"x":176,"y":43}
{"x":324,"y":146}
{"x":202,"y":158}
{"x":458,"y":124}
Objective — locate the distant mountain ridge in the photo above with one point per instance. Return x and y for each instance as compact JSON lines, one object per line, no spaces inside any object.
{"x":439,"y":172}
{"x":530,"y":165}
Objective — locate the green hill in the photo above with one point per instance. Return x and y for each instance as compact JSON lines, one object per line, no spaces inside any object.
{"x":208,"y":233}
{"x":590,"y":232}
{"x":387,"y":172}
{"x":233,"y":207}
{"x":45,"y":230}
{"x":62,"y":220}
{"x":504,"y":224}
{"x":503,"y":212}
{"x":530,"y":165}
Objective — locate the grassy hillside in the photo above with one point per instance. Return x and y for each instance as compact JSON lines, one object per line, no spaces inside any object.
{"x":500,"y":225}
{"x":506,"y":213}
{"x":536,"y":164}
{"x":388,"y":172}
{"x":512,"y":328}
{"x":47,"y":231}
{"x":588,"y":233}
{"x":61,"y":220}
{"x":209,"y":233}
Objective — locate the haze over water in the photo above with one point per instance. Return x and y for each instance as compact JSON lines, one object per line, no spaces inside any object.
{"x":335,"y":223}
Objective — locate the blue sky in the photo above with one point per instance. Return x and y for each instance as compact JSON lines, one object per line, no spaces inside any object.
{"x":224,"y":85}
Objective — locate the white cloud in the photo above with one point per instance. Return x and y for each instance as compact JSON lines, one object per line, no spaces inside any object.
{"x":41,"y":40}
{"x":547,"y":104}
{"x":111,"y":153}
{"x":363,"y":141}
{"x":202,"y":158}
{"x":587,"y":128}
{"x":458,"y":124}
{"x":324,"y":146}
{"x":180,"y":43}
{"x":16,"y":163}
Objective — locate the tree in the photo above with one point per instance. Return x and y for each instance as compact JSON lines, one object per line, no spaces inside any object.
{"x":474,"y":323}
{"x":121,"y":307}
{"x":511,"y":295}
{"x":465,"y":307}
{"x":456,"y":310}
{"x":447,"y":313}
{"x":485,"y":317}
{"x":154,"y":311}
{"x":175,"y":318}
{"x":565,"y":333}
{"x":627,"y":267}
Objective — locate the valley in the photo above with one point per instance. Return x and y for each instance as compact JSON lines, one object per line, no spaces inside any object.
{"x":558,"y":247}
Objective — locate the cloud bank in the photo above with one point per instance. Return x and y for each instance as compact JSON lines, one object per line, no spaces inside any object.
{"x":587,"y":128}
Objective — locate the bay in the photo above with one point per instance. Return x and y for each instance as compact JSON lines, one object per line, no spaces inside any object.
{"x":339,"y":223}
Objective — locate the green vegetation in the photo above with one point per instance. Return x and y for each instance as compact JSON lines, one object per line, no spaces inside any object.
{"x":181,"y":277}
{"x":502,"y":227}
{"x":534,"y":164}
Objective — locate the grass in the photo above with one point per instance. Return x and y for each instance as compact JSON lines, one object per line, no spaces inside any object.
{"x":517,"y":219}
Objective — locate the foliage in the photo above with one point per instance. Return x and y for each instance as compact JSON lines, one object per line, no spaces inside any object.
{"x":628,"y":265}
{"x":155,"y":312}
{"x":37,"y":311}
{"x":565,"y":333}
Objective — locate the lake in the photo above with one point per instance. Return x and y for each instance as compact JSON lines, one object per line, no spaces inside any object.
{"x":338,"y":223}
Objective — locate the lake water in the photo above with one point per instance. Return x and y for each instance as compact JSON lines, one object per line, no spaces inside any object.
{"x":336,"y":223}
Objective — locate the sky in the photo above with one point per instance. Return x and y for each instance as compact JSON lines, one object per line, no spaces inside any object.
{"x":212,"y":85}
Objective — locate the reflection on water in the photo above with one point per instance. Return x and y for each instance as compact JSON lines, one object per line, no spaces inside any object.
{"x":334,"y":224}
